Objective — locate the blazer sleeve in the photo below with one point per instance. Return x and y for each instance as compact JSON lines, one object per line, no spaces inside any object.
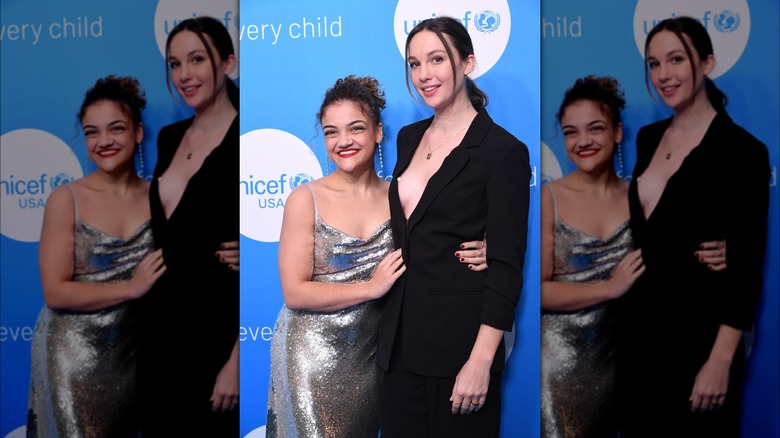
{"x":746,"y":230}
{"x":508,"y":193}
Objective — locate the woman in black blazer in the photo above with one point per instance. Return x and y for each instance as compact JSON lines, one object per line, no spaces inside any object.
{"x":459,"y":177}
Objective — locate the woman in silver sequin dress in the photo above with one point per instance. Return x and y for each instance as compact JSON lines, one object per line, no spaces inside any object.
{"x":587,"y":264}
{"x":323,"y":351}
{"x":95,"y":259}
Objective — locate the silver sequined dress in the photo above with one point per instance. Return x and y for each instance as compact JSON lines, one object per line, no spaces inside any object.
{"x":578,"y":348}
{"x":323,"y":364}
{"x":83,"y":363}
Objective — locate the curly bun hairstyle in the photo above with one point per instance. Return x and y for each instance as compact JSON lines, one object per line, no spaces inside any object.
{"x":124,"y":90}
{"x":603,"y":90}
{"x":363,"y":90}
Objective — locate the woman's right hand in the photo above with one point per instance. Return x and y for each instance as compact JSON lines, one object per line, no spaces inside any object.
{"x":386,"y":273}
{"x":146,"y":273}
{"x":626,"y":272}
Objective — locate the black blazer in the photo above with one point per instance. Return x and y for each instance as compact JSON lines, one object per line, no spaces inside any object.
{"x":438,"y":304}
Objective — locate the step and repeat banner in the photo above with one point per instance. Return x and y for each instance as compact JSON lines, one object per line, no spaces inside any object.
{"x":52,"y":52}
{"x":607,"y":38}
{"x":291,"y":53}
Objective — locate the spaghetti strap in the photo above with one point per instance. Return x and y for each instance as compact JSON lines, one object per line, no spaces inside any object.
{"x":552,"y":195}
{"x":75,"y":202}
{"x":316,"y":213}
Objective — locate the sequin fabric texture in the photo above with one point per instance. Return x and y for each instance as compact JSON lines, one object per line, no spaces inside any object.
{"x":323,"y":365}
{"x":578,"y":348}
{"x":83,"y":363}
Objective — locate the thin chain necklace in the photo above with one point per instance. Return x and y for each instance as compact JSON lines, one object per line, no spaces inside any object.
{"x":669,"y":149}
{"x":431,"y":151}
{"x":190,"y":151}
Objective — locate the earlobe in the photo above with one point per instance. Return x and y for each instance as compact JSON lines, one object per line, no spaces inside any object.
{"x":619,"y":133}
{"x":139,"y":135}
{"x":709,"y":64}
{"x":230,"y":64}
{"x":471,"y":63}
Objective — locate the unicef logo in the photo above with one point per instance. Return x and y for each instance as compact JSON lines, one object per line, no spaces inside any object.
{"x":489,"y":29}
{"x":299,"y":179}
{"x":169,"y":13}
{"x":60,"y":179}
{"x":728,"y":28}
{"x":267,"y":155}
{"x":26,"y":180}
{"x":487,"y":21}
{"x":727,"y":21}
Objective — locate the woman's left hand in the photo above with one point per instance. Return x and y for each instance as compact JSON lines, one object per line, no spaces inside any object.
{"x":225,"y":395}
{"x":713,"y":254}
{"x":474,"y":254}
{"x":710,"y":386}
{"x":471,"y":385}
{"x":228,"y":254}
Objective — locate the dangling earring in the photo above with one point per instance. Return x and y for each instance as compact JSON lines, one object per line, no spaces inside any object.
{"x":381,"y":161}
{"x":327,"y":162}
{"x":140,"y":151}
{"x":620,"y":160}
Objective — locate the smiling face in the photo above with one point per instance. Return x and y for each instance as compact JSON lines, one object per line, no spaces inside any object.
{"x":192,"y":69}
{"x":431,"y":69}
{"x":676,"y":76}
{"x":589,"y":135}
{"x":350,"y":137}
{"x":110,"y":135}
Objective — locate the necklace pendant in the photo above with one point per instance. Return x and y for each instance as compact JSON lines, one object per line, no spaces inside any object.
{"x":668,"y":155}
{"x":429,"y":156}
{"x":189,"y":155}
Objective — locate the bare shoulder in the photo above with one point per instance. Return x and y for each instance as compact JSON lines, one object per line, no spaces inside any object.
{"x":301,"y":199}
{"x":61,"y":200}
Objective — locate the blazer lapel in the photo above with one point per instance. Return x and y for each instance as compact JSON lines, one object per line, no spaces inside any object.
{"x":451,"y":167}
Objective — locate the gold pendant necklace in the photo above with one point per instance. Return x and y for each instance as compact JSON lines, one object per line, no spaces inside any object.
{"x":192,"y":151}
{"x":688,"y":138}
{"x":431,"y":151}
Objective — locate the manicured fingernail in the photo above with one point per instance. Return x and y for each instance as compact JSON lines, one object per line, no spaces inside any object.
{"x":462,"y":246}
{"x":457,"y":254}
{"x":221,"y":259}
{"x":462,"y":259}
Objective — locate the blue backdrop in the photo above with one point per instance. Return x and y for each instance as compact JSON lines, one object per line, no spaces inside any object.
{"x":602,"y":37}
{"x":291,"y":53}
{"x":52,"y":51}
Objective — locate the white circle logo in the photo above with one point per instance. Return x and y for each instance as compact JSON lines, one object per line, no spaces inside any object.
{"x":273,"y":162}
{"x":509,"y":342}
{"x":488,"y":25}
{"x":727,"y":22}
{"x":169,"y":13}
{"x":32,"y":165}
{"x":256,"y":433}
{"x":551,"y":167}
